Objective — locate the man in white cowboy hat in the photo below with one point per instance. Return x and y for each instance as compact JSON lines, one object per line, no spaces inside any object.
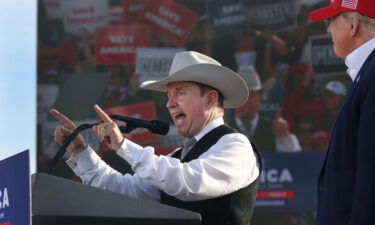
{"x":346,"y":183}
{"x":269,"y":135}
{"x":217,"y":176}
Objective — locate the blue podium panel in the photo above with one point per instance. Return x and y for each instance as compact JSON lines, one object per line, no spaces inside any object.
{"x":15,"y":190}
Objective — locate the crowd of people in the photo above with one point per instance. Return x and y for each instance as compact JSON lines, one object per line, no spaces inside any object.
{"x":291,"y":107}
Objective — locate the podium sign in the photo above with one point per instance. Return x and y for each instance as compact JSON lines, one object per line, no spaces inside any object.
{"x":15,"y":190}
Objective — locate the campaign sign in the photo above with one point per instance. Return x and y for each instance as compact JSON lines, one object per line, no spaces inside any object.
{"x":323,"y":58}
{"x":226,"y":16}
{"x":87,"y":14}
{"x":15,"y":190}
{"x":117,"y":44}
{"x":169,"y":20}
{"x":272,"y":14}
{"x":143,"y":110}
{"x":288,"y":181}
{"x":272,"y":101}
{"x":116,"y":15}
{"x":53,"y":9}
{"x":154,"y":63}
{"x":132,"y":10}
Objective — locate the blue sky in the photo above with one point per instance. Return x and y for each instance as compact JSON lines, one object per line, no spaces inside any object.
{"x":18,"y":77}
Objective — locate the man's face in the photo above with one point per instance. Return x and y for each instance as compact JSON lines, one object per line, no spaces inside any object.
{"x":251,"y":107}
{"x":339,"y":28}
{"x":331,"y":101}
{"x":188,"y":108}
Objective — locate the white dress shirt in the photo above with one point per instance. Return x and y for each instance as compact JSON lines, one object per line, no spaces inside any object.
{"x":355,"y":60}
{"x":225,"y":167}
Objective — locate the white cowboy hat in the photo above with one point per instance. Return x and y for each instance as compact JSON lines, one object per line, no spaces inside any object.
{"x":196,"y":67}
{"x":251,"y":78}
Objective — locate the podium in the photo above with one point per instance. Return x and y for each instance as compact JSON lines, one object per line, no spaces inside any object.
{"x":60,"y":201}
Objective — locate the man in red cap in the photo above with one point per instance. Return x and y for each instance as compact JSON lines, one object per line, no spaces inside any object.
{"x":346,"y":182}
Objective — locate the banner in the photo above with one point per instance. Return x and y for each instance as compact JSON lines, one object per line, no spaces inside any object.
{"x":143,"y":110}
{"x":47,"y":95}
{"x":272,"y":101}
{"x":272,"y":14}
{"x":288,"y":181}
{"x":226,"y":16}
{"x":154,"y":63}
{"x":53,"y":9}
{"x":117,"y":44}
{"x":15,"y":190}
{"x":169,"y":20}
{"x":132,"y":10}
{"x":88,"y":14}
{"x":323,"y":58}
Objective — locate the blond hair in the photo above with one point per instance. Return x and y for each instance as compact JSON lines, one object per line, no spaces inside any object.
{"x":367,"y":23}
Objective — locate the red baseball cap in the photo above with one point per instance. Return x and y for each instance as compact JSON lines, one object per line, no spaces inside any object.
{"x":363,"y":7}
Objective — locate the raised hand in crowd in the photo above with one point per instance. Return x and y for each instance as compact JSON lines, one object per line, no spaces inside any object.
{"x":280,"y":125}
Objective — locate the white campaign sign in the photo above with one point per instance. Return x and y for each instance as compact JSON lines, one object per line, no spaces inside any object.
{"x":154,"y":63}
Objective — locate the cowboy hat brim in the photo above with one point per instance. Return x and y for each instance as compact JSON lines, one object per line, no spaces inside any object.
{"x":232,"y":87}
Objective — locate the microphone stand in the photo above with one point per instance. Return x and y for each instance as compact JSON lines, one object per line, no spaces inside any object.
{"x":124,"y":129}
{"x":66,"y":143}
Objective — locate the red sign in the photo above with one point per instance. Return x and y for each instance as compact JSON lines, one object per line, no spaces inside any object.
{"x":169,"y":19}
{"x":117,"y":44}
{"x":143,"y":110}
{"x":276,"y":194}
{"x":132,"y":10}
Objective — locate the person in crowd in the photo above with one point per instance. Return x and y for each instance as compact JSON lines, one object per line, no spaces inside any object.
{"x":345,"y":184}
{"x":270,"y":49}
{"x":297,"y":98}
{"x":305,"y":129}
{"x":268,"y":135}
{"x":215,"y":173}
{"x":333,"y":96}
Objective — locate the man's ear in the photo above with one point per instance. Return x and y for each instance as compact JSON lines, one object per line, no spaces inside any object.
{"x":212,"y":97}
{"x":354,"y":27}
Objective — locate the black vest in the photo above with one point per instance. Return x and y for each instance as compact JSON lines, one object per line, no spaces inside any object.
{"x":232,"y":209}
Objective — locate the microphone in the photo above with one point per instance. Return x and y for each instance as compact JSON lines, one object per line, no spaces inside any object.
{"x":155,"y":126}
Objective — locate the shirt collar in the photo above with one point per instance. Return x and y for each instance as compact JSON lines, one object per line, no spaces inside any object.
{"x":354,"y":61}
{"x":210,"y":126}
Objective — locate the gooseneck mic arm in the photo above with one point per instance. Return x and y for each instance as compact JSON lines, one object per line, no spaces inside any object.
{"x":66,"y":143}
{"x":155,"y":126}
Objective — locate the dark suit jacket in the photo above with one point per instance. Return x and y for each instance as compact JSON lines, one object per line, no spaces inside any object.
{"x":346,"y":186}
{"x":263,"y":135}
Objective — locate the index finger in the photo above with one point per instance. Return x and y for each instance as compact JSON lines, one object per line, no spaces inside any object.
{"x":102,"y":115}
{"x":63,"y":119}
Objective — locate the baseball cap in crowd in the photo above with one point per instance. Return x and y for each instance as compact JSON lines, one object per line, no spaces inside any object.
{"x":363,"y":7}
{"x":251,"y":78}
{"x":336,"y":87}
